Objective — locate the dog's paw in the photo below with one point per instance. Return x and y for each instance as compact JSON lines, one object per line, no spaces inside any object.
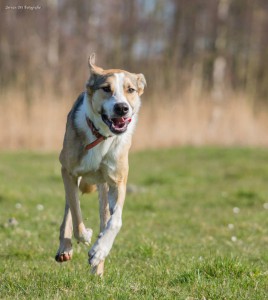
{"x":97,"y":254}
{"x":98,"y":270}
{"x":65,"y":251}
{"x":62,"y":256}
{"x":85,"y":236}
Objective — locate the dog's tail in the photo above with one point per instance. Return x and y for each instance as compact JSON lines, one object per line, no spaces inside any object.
{"x":86,"y":188}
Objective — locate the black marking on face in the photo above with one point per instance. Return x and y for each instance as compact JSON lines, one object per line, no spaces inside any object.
{"x":96,"y":81}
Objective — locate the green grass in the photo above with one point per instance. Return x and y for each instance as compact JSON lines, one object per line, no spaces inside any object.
{"x":176,"y":241}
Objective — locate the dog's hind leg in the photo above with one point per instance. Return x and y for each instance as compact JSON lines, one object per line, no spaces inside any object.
{"x":104,"y":217}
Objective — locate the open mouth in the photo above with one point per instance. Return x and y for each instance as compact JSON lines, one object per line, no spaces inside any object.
{"x":116,"y":125}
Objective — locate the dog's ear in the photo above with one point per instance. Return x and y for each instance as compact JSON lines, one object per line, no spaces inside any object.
{"x":141,"y":83}
{"x":94,"y":72}
{"x":92,"y":67}
{"x":91,"y":60}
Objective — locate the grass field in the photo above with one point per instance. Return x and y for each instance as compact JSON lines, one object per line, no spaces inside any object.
{"x":194,"y":227}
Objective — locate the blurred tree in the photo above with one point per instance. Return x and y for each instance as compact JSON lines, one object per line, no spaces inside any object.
{"x":210,"y":45}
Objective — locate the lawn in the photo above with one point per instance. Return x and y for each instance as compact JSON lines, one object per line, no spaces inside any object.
{"x":195,"y":226}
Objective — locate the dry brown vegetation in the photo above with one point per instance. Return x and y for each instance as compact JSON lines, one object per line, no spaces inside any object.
{"x":201,"y":121}
{"x":163,"y":121}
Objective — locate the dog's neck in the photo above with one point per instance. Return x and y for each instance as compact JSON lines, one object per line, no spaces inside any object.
{"x":99,"y":137}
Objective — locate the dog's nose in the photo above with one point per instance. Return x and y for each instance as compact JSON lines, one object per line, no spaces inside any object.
{"x":121,"y":109}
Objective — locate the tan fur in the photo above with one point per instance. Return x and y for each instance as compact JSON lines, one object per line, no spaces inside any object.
{"x":86,"y":188}
{"x":106,"y":165}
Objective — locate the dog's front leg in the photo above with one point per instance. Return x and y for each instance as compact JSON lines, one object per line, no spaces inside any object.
{"x":65,"y":250}
{"x":81,"y":233}
{"x":103,"y":245}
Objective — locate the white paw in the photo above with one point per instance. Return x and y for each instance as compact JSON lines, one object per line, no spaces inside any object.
{"x":97,"y":254}
{"x":85,"y":236}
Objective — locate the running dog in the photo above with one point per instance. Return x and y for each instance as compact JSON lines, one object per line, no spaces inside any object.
{"x":95,"y":155}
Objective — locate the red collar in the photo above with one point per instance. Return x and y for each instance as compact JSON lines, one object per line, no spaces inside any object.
{"x":95,"y":132}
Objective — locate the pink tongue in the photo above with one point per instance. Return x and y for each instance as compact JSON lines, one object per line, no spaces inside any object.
{"x":118,"y":121}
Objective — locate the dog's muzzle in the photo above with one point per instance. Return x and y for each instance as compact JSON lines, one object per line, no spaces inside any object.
{"x":118,"y":123}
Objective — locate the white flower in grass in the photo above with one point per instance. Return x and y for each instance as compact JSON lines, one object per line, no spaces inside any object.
{"x":231,"y":226}
{"x":234,"y":239}
{"x":265,"y":205}
{"x":236,"y":210}
{"x":40,"y":207}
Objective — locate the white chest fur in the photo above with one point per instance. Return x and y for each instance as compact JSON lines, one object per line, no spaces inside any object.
{"x":92,"y":160}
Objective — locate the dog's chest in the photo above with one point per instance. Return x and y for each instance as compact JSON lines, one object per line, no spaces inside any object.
{"x":94,"y":160}
{"x":91,"y":161}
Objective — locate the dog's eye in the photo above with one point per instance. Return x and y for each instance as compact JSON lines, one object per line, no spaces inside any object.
{"x":130,"y":90}
{"x":107,"y":89}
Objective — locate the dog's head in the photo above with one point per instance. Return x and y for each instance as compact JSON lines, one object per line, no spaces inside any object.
{"x":114,"y":95}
